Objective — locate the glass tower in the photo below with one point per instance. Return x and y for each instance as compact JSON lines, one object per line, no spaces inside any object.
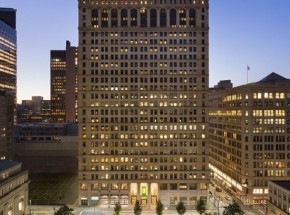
{"x":7,"y":81}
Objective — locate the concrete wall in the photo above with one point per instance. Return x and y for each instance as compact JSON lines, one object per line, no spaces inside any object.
{"x":49,"y":157}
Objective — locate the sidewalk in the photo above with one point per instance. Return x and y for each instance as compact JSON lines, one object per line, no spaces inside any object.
{"x":49,"y":210}
{"x":105,"y":210}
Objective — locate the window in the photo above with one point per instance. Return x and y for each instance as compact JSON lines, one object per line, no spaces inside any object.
{"x":95,"y":18}
{"x":124,"y":18}
{"x":105,"y":19}
{"x":182,"y":17}
{"x":173,"y":17}
{"x":173,"y":186}
{"x":153,"y":18}
{"x":114,"y":18}
{"x":163,"y":186}
{"x":143,"y":21}
{"x":183,"y":186}
{"x":192,"y":18}
{"x":134,"y":18}
{"x":163,"y":18}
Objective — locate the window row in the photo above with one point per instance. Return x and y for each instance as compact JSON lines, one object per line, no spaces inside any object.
{"x":145,"y":71}
{"x":143,"y":17}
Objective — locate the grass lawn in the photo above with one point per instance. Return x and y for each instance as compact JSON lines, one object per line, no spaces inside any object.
{"x":53,"y":189}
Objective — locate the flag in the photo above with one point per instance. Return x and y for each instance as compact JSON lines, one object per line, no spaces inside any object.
{"x":248,"y":68}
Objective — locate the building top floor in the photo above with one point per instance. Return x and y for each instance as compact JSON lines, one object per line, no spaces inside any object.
{"x":8,"y":168}
{"x":143,"y":2}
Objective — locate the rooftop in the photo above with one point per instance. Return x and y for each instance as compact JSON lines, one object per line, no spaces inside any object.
{"x":6,"y":164}
{"x":7,"y":9}
{"x":274,"y":78}
{"x":283,"y":184}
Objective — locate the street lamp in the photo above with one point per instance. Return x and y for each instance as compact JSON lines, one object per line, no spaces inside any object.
{"x":245,"y":184}
{"x":30,"y":206}
{"x":218,"y":208}
{"x":215,"y":198}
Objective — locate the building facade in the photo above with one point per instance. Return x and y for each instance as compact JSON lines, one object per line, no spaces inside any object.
{"x":35,"y":110}
{"x":249,"y":135}
{"x":47,"y":147}
{"x":143,"y":83}
{"x":279,"y":198}
{"x":8,"y":48}
{"x":63,"y":91}
{"x":14,"y":188}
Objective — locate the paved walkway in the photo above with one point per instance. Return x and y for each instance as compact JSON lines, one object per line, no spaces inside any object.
{"x":49,"y":210}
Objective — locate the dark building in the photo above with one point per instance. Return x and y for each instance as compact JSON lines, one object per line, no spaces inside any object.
{"x":8,"y":15}
{"x":63,"y":92}
{"x":8,"y":48}
{"x":47,"y":147}
{"x":223,"y":85}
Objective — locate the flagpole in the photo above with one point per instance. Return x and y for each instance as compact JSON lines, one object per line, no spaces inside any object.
{"x":248,"y":68}
{"x":247,"y":75}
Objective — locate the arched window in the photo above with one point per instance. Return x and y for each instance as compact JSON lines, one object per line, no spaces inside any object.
{"x":114,"y":18}
{"x":95,"y":18}
{"x":163,"y":18}
{"x":182,"y":17}
{"x":124,"y":18}
{"x":134,"y":18}
{"x":105,"y":19}
{"x":143,"y":16}
{"x":192,"y":22}
{"x":153,"y":18}
{"x":173,"y":17}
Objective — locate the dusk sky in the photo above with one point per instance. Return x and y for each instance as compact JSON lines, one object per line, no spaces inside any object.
{"x":242,"y":32}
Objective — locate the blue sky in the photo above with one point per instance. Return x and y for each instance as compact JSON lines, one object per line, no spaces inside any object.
{"x":242,"y":32}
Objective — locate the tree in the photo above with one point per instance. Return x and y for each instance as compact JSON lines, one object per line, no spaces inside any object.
{"x":200,"y":206}
{"x":64,"y":210}
{"x":117,"y":208}
{"x":180,"y":208}
{"x":233,"y":208}
{"x":159,"y":208}
{"x":137,"y":208}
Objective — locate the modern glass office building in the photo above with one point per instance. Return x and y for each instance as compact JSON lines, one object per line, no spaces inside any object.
{"x":8,"y":48}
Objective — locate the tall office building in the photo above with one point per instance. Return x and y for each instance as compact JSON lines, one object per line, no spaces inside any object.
{"x":143,"y":83}
{"x":250,"y":137}
{"x":7,"y":81}
{"x":63,"y":92}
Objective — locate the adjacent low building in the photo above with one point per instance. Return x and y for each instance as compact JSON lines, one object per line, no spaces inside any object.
{"x":249,"y":134}
{"x":13,"y":188}
{"x":47,"y":147}
{"x":35,"y":110}
{"x":279,"y":198}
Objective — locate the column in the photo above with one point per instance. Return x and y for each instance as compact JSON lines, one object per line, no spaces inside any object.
{"x":158,"y":17}
{"x":119,"y":17}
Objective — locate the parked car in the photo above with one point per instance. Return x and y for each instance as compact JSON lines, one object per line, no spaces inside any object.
{"x":218,"y":189}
